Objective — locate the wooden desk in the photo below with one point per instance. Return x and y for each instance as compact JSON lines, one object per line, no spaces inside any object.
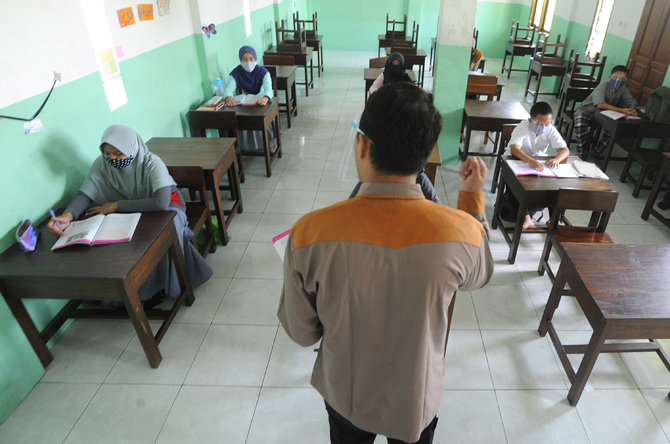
{"x":286,"y":82}
{"x":540,"y":69}
{"x":303,"y":59}
{"x":371,"y":74}
{"x":434,"y":161}
{"x":216,"y":157}
{"x":624,"y":291}
{"x":618,"y":129}
{"x":415,"y":58}
{"x":663,"y":172}
{"x":113,"y":272}
{"x":533,"y":192}
{"x":385,"y":41}
{"x":480,"y":115}
{"x":514,"y":49}
{"x":259,"y":118}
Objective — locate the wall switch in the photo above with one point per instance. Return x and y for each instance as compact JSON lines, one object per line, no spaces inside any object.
{"x":33,"y":126}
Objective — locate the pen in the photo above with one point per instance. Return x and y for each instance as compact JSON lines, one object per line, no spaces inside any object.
{"x":51,"y":211}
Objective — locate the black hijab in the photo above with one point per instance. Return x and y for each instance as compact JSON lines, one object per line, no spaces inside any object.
{"x":395,"y":73}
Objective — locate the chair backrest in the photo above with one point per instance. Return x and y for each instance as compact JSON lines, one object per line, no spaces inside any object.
{"x":482,"y":85}
{"x":290,"y":39}
{"x":273,"y":75}
{"x":585,"y":73}
{"x":187,"y":177}
{"x":572,"y":97}
{"x":516,"y":36}
{"x":404,"y":50}
{"x":475,"y":37}
{"x":223,"y":121}
{"x":505,"y":136}
{"x":653,"y":130}
{"x":378,"y":62}
{"x":396,"y":29}
{"x":551,"y":52}
{"x":600,"y":203}
{"x":278,"y":60}
{"x":311,"y":27}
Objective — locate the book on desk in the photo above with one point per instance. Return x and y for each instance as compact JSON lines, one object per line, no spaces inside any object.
{"x":573,"y":170}
{"x":213,"y":104}
{"x":615,"y":115}
{"x":110,"y":229}
{"x":246,"y":99}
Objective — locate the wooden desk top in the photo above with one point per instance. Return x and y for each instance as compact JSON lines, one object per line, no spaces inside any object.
{"x":257,"y":110}
{"x":606,"y":123}
{"x":538,"y":183}
{"x":373,"y":73}
{"x":81,"y":262}
{"x":284,"y":71}
{"x":434,"y":157}
{"x":203,"y":152}
{"x":272,"y":50}
{"x":383,"y":37}
{"x":626,"y":281}
{"x":482,"y":109}
{"x":418,"y":53}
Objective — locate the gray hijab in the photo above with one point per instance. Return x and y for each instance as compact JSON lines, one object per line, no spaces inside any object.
{"x":139,"y":180}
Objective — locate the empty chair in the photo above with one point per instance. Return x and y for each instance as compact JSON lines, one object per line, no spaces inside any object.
{"x":548,"y":61}
{"x":520,"y":43}
{"x":650,"y":159}
{"x":565,"y":120}
{"x":601,"y":205}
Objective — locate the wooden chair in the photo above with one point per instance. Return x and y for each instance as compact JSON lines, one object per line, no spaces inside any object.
{"x":197,"y":211}
{"x":503,"y":141}
{"x":393,"y":30}
{"x":378,"y":62}
{"x":565,"y":120}
{"x":601,"y":205}
{"x":223,"y":121}
{"x":411,"y":43}
{"x":291,"y":40}
{"x":518,"y":45}
{"x":290,"y":106}
{"x":475,"y":37}
{"x":548,"y":61}
{"x":314,"y":40}
{"x":481,"y":86}
{"x":650,"y":159}
{"x":584,"y":74}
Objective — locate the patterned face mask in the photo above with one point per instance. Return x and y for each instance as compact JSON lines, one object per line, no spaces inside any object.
{"x":119,"y":164}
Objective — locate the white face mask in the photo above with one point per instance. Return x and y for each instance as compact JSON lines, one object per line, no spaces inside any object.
{"x":249,"y":66}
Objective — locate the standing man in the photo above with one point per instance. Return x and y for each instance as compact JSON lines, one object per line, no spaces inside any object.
{"x":373,"y":277}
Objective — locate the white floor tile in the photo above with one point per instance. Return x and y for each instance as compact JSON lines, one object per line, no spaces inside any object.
{"x":124,"y":413}
{"x":467,"y":417}
{"x":464,"y":317}
{"x":260,"y":261}
{"x":242,"y":226}
{"x":291,"y":201}
{"x":466,"y":367}
{"x":250,"y":301}
{"x":505,"y":307}
{"x":233,"y":355}
{"x":210,"y":414}
{"x":290,"y":364}
{"x":226,"y":259}
{"x":207,"y":300}
{"x":658,"y":401}
{"x":271,"y":225}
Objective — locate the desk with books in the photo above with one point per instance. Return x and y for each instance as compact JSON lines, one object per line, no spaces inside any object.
{"x":533,"y":192}
{"x":618,"y":129}
{"x":112,"y":272}
{"x":216,"y":157}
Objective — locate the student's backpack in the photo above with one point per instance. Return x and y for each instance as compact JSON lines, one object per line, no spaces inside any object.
{"x":658,"y":106}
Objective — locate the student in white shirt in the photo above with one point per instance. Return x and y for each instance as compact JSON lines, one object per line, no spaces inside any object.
{"x":533,"y":138}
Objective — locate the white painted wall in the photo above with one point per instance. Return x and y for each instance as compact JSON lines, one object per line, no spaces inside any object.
{"x":41,"y":36}
{"x":623,"y":23}
{"x":456,"y":29}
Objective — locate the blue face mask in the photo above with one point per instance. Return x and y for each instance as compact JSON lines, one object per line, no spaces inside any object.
{"x":538,"y":130}
{"x":616,"y":83}
{"x":119,"y":164}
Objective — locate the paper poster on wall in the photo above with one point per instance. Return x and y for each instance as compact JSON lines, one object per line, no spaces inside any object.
{"x":126,"y":17}
{"x":163,"y":7}
{"x":145,"y":11}
{"x":109,"y":66}
{"x":119,"y":52}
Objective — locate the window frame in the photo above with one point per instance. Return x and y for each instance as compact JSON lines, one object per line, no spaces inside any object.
{"x":593,"y":24}
{"x":543,"y":15}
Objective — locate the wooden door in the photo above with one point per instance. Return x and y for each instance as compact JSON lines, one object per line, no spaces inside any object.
{"x":650,"y":54}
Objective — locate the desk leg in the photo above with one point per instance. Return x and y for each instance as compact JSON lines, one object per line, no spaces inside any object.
{"x":213,"y":185}
{"x":608,"y":153}
{"x":511,"y":63}
{"x":518,"y":228}
{"x":537,"y":88}
{"x":289,"y":111}
{"x":180,"y":264}
{"x":653,"y":195}
{"x":592,"y":351}
{"x":554,"y":300}
{"x":502,"y":71}
{"x":266,"y":148}
{"x":466,"y":142}
{"x":530,"y":75}
{"x":280,"y":152}
{"x":306,"y":80}
{"x":234,"y":179}
{"x":141,"y":324}
{"x":323,"y":69}
{"x":498,"y":204}
{"x":318,"y":62}
{"x":311,"y":72}
{"x":30,"y":330}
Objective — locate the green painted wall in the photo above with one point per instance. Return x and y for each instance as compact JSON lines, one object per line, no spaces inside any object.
{"x":449,"y":91}
{"x":493,"y":20}
{"x":46,"y":169}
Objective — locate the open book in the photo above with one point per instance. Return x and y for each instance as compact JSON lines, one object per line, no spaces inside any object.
{"x":578,"y":168}
{"x":246,"y":99}
{"x":110,"y":229}
{"x":280,"y":241}
{"x":615,"y":115}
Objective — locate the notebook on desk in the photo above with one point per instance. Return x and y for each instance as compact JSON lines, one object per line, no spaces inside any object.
{"x":572,"y":170}
{"x":246,"y":99}
{"x":110,"y":229}
{"x":615,"y":115}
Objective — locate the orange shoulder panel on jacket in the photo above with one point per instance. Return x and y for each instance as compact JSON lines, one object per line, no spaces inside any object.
{"x":391,"y":223}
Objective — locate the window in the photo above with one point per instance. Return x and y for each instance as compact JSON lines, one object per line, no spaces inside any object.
{"x":599,"y":28}
{"x":542,"y":14}
{"x":246,"y":10}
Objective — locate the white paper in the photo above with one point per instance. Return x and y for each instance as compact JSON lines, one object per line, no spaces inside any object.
{"x":280,"y":242}
{"x":246,"y":99}
{"x":613,"y":114}
{"x":79,"y":232}
{"x":117,"y":228}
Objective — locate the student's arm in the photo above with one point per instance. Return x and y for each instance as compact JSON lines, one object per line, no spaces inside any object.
{"x":557,"y":143}
{"x":266,"y":89}
{"x":72,"y":212}
{"x":519,"y":154}
{"x":297,"y":308}
{"x":229,"y":91}
{"x":600,"y":101}
{"x":378,"y":83}
{"x":629,"y":102}
{"x":476,"y":267}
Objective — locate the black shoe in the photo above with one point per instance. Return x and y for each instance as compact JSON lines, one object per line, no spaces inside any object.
{"x":154,"y":301}
{"x":663,"y":205}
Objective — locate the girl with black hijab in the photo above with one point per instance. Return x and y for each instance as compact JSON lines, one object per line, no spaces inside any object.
{"x":394,"y":71}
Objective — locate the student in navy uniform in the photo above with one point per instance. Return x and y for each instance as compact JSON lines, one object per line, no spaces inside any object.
{"x":609,"y":95}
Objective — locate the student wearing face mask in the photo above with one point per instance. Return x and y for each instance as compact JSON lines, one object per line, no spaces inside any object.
{"x":609,"y":95}
{"x":533,"y":138}
{"x":394,"y":71}
{"x":128,"y":178}
{"x":250,"y":78}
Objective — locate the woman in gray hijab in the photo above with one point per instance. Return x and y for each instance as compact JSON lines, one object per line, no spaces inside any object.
{"x":128,"y":178}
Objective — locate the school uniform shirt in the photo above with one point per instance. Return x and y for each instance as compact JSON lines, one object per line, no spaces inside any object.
{"x":605,"y":93}
{"x":266,"y":88}
{"x":534,"y":145}
{"x":373,"y":277}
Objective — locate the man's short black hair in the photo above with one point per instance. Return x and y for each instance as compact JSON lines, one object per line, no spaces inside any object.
{"x":619,"y":68}
{"x":403,"y":126}
{"x":540,"y":109}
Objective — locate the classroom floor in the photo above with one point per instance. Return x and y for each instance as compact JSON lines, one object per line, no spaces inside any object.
{"x":231,"y":375}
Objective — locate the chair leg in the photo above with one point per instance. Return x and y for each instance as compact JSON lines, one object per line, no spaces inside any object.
{"x":544,"y":259}
{"x":626,"y":167}
{"x":496,"y":173}
{"x":640,"y":180}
